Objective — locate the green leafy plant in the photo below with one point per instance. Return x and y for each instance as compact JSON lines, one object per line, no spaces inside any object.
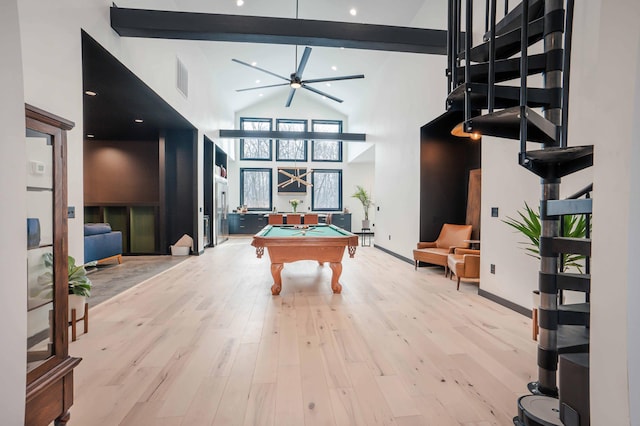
{"x":79,"y":283}
{"x":364,"y":197}
{"x":530,"y":226}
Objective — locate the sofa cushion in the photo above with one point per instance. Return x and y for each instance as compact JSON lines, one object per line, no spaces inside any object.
{"x":96,"y":228}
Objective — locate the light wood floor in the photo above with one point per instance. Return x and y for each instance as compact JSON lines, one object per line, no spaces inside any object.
{"x":205,"y":343}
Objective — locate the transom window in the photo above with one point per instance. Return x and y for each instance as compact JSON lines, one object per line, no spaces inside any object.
{"x":326,"y":192}
{"x":291,"y":149}
{"x":255,"y":188}
{"x":326,"y":150}
{"x":255,"y":149}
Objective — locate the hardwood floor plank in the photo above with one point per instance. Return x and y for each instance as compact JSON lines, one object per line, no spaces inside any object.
{"x":397,"y":347}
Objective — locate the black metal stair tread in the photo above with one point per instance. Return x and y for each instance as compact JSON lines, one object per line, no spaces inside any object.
{"x":513,"y":19}
{"x":506,"y":124}
{"x":507,"y":44}
{"x":560,"y":155}
{"x":568,"y":206}
{"x":509,"y":69}
{"x":572,"y":339}
{"x":582,"y":308}
{"x":557,"y":245}
{"x":505,"y":97}
{"x":574,"y":282}
{"x":559,"y":162}
{"x":581,"y":359}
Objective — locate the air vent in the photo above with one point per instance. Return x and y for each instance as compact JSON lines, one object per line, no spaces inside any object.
{"x":182,"y":82}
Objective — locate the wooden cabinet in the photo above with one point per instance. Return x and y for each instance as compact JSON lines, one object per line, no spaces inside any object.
{"x":246,"y":223}
{"x":49,"y":372}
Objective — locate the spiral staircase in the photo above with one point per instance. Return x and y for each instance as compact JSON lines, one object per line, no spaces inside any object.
{"x":480,"y":83}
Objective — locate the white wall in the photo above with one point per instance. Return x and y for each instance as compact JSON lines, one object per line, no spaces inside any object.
{"x":304,"y":106}
{"x":13,"y":291}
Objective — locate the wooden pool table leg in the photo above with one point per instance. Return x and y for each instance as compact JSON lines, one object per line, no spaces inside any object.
{"x":336,"y":269}
{"x":276,"y":268}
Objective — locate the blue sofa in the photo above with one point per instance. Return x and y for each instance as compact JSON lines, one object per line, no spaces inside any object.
{"x":101,"y":243}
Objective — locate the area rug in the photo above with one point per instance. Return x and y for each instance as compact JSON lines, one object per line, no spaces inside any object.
{"x":111,"y":279}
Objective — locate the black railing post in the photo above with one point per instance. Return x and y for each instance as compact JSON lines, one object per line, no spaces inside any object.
{"x":566,"y":72}
{"x":491,"y":94}
{"x":524,"y":71}
{"x":450,"y":62}
{"x":467,"y":62}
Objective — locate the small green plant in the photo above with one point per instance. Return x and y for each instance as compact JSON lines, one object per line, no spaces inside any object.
{"x":364,"y":197}
{"x":79,"y":283}
{"x":530,"y":226}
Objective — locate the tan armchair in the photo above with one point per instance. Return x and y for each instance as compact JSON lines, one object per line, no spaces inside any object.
{"x":465,"y":265}
{"x":436,"y":252}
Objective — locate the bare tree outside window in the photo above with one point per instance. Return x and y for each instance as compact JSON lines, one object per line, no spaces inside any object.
{"x":255,"y":149}
{"x":291,"y":149}
{"x":255,"y":188}
{"x":327,"y":190}
{"x":326,"y":150}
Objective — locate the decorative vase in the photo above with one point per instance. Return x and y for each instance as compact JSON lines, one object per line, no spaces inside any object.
{"x":295,"y":208}
{"x":365,"y":224}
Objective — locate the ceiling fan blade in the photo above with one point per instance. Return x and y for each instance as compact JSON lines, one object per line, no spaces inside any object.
{"x":303,"y":61}
{"x":344,"y":77}
{"x":304,"y":86}
{"x":262,"y":87}
{"x":260,"y":69}
{"x":290,"y":98}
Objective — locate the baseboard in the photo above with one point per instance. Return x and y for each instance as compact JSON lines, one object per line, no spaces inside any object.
{"x":396,"y":255}
{"x":504,"y":302}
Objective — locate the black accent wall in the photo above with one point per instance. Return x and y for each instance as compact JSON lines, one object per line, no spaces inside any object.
{"x":445,"y":162}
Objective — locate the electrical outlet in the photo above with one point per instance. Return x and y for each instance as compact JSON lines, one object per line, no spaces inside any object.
{"x":378,"y":208}
{"x":493,"y":268}
{"x":71,"y":212}
{"x":389,"y":237}
{"x":494,"y":212}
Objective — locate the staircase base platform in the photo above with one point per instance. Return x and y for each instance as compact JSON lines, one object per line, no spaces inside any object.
{"x":537,"y":410}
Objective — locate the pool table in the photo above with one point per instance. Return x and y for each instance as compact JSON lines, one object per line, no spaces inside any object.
{"x":290,"y":243}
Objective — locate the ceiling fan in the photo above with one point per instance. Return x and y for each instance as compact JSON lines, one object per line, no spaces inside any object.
{"x":295,"y":81}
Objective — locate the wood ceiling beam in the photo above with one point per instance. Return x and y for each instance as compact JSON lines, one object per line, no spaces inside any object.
{"x":256,"y":29}
{"x":271,"y":134}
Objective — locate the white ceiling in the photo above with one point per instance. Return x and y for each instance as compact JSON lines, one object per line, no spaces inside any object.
{"x":280,"y":59}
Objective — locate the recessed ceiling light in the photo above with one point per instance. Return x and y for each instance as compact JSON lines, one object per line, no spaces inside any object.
{"x":91,"y":136}
{"x":324,"y":97}
{"x":139,"y":120}
{"x":90,"y":93}
{"x":260,"y":94}
{"x":240,"y":2}
{"x":353,"y":11}
{"x":341,"y":47}
{"x":254,"y":63}
{"x":334,"y":68}
{"x":257,"y":81}
{"x":328,"y":84}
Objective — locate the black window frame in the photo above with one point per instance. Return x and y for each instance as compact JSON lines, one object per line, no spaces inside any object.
{"x":261,"y":120}
{"x":313,"y":192}
{"x":305,"y":142}
{"x":340,"y":145}
{"x":256,"y":169}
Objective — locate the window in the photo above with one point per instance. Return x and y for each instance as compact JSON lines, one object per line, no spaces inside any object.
{"x":326,"y":193}
{"x":255,"y":149}
{"x":326,"y":150}
{"x":291,"y":149}
{"x":255,"y":188}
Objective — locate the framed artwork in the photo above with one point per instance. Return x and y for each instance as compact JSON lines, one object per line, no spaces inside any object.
{"x":293,"y":179}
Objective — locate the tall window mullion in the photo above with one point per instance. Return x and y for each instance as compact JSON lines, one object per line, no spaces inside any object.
{"x":255,"y":148}
{"x":326,"y":150}
{"x":326,"y":191}
{"x":255,"y":188}
{"x":291,"y":149}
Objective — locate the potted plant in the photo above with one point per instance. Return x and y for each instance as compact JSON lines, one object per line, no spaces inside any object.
{"x":364,"y":197}
{"x":79,"y":283}
{"x":530,"y":226}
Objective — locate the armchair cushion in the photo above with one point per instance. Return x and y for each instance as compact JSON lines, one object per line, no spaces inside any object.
{"x":436,"y":252}
{"x":464,"y":264}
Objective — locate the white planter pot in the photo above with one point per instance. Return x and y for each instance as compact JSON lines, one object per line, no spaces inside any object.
{"x":77,"y":302}
{"x":365,"y":224}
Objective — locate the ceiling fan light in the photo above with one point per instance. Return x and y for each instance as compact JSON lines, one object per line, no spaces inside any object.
{"x":296,"y":85}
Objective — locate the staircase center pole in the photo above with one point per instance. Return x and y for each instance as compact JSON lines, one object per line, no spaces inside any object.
{"x":548,"y":341}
